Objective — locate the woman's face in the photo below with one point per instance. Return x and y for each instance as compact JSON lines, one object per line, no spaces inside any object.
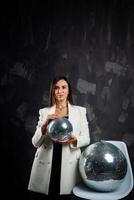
{"x":61,"y":90}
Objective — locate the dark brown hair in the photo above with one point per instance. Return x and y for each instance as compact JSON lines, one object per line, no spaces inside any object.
{"x":51,"y":101}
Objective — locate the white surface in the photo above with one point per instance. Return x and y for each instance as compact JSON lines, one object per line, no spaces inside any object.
{"x":123,"y":190}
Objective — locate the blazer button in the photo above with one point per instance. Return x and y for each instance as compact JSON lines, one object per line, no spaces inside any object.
{"x":41,"y":162}
{"x":45,"y":146}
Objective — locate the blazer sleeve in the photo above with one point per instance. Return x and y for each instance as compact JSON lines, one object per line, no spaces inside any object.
{"x":83,"y":138}
{"x":38,"y":139}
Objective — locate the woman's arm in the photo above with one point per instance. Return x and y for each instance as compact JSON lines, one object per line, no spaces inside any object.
{"x":39,"y":135}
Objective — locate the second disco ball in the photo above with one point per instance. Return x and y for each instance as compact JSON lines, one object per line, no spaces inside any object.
{"x":103,"y":166}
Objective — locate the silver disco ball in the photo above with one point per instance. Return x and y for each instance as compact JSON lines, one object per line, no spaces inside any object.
{"x":59,"y":129}
{"x":102,"y":166}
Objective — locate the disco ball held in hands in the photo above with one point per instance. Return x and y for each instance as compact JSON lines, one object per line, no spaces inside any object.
{"x":103,"y":166}
{"x":59,"y":129}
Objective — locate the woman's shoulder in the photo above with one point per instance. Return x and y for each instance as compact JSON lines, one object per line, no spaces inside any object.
{"x":44,"y":109}
{"x":81,"y":108}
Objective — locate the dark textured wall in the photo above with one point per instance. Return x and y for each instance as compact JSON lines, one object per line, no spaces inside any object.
{"x":92,"y":43}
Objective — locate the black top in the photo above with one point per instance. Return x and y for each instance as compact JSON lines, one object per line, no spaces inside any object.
{"x":54,"y":186}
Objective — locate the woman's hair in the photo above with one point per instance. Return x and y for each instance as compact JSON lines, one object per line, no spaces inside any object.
{"x":51,"y":100}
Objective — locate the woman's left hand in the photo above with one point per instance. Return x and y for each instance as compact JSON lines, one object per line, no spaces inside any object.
{"x":71,"y":139}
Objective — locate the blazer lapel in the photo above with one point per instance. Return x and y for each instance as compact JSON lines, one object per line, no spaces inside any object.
{"x":71,"y":112}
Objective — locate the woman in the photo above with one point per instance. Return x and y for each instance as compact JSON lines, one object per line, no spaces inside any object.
{"x":55,"y":167}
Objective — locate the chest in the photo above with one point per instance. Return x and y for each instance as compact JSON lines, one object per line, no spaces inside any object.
{"x":61,"y":112}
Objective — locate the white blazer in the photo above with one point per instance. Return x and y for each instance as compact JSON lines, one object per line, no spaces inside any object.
{"x":41,"y":168}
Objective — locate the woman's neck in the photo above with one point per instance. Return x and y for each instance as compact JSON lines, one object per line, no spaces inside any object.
{"x":61,"y":105}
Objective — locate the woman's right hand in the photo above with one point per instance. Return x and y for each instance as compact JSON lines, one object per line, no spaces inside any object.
{"x":51,"y":117}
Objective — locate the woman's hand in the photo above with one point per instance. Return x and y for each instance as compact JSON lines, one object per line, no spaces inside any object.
{"x":51,"y":117}
{"x":71,"y":139}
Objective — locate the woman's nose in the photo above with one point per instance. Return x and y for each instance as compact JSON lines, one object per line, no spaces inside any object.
{"x":60,"y":90}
